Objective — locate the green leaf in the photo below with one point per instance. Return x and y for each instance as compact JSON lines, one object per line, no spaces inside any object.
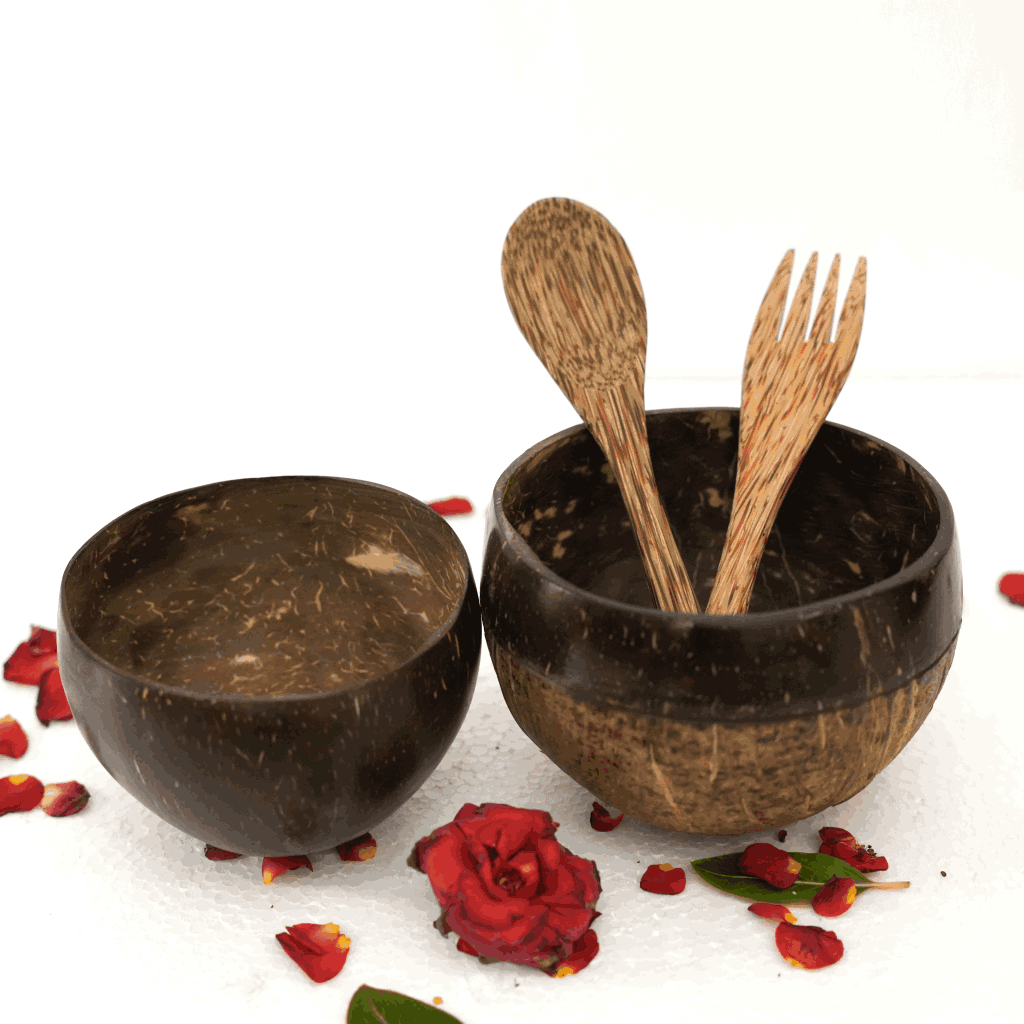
{"x":724,"y":873}
{"x":382,"y":1006}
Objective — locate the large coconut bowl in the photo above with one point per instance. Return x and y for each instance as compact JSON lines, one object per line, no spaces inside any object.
{"x":718,"y":724}
{"x":272,"y":665}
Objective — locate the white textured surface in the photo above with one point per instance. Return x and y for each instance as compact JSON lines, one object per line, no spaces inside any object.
{"x":245,"y":239}
{"x":129,"y":915}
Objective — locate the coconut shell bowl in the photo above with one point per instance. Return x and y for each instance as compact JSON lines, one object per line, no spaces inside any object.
{"x":721,"y":724}
{"x":271,"y":665}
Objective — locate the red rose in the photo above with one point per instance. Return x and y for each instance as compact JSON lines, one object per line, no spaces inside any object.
{"x":509,"y":890}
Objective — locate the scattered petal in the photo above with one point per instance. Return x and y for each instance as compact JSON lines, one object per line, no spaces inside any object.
{"x":63,"y":798}
{"x":274,"y":866}
{"x":837,"y":842}
{"x":835,"y":897}
{"x":782,"y":835}
{"x":807,"y":946}
{"x":664,"y":880}
{"x":363,"y":847}
{"x":52,"y":703}
{"x":602,"y":821}
{"x":32,"y":659}
{"x":319,"y":949}
{"x":770,"y":864}
{"x":1011,"y":586}
{"x":772,"y":912}
{"x":19,"y":793}
{"x":452,"y":507}
{"x":13,"y":741}
{"x":216,"y":853}
{"x":584,"y":950}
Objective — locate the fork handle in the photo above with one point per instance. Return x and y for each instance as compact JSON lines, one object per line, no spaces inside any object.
{"x":615,"y":415}
{"x":761,"y":485}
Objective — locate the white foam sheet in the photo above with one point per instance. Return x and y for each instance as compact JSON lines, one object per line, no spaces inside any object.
{"x":118,"y":912}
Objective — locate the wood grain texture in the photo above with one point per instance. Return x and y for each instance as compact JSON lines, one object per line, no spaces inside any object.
{"x":789,"y":386}
{"x":575,"y":293}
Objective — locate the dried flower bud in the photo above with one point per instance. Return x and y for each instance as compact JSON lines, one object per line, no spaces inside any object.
{"x":63,"y":798}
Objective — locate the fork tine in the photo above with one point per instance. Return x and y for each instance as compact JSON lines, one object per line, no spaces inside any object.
{"x":769,"y":316}
{"x":852,"y":318}
{"x":821,"y":330}
{"x":800,"y":311}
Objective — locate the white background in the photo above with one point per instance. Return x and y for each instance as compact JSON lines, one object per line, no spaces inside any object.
{"x":242,"y":239}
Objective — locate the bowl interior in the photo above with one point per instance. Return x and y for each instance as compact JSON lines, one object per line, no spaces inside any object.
{"x":267,"y":587}
{"x":856,"y":514}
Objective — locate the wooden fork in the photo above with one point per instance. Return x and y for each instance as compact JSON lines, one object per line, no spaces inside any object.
{"x":789,"y":386}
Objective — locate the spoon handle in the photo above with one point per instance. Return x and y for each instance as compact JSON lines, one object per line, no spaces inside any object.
{"x":615,"y":415}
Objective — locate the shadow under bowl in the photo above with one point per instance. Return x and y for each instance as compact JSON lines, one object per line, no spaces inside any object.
{"x":719,"y":724}
{"x":272,"y":665}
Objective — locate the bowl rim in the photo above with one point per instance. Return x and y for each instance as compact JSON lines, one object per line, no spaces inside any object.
{"x":926,"y":561}
{"x":358,"y":685}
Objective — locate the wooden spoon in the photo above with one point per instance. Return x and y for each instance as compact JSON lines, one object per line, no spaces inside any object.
{"x":576,"y":296}
{"x":789,"y":386}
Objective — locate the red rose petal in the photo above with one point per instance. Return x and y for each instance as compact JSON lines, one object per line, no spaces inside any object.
{"x":63,"y":798}
{"x":782,"y":835}
{"x":583,"y":951}
{"x":319,"y":949}
{"x":274,"y":866}
{"x":19,"y":793}
{"x":772,"y":912}
{"x":32,"y":659}
{"x":13,"y":741}
{"x":216,"y":853}
{"x":1011,"y":586}
{"x":835,"y":897}
{"x":837,"y":842}
{"x":464,"y":947}
{"x":52,"y":703}
{"x":664,"y":880}
{"x":808,"y":946}
{"x":769,"y":863}
{"x":363,"y":847}
{"x":452,"y":507}
{"x":602,"y":821}
{"x":866,"y":861}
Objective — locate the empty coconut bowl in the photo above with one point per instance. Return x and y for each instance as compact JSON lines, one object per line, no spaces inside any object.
{"x":717,"y":724}
{"x":272,"y":665}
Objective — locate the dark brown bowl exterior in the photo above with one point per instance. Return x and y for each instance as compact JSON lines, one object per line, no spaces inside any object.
{"x":715,"y":724}
{"x":270,"y":776}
